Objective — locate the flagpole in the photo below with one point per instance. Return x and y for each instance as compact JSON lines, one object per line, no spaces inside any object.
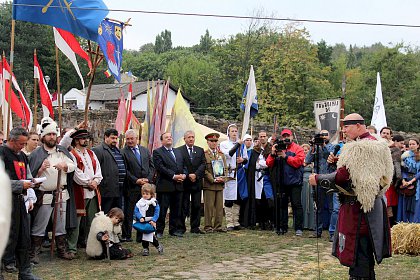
{"x":92,"y":77}
{"x":35,"y":100}
{"x":342,"y":106}
{"x":2,"y":108}
{"x":12,"y":48}
{"x":58,"y":87}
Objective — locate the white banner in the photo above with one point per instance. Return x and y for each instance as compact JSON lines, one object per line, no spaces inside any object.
{"x":378,"y":115}
{"x":327,"y":117}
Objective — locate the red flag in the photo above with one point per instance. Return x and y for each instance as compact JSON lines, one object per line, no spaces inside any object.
{"x":43,"y":90}
{"x":66,"y":42}
{"x":14,"y":102}
{"x":26,"y":110}
{"x":119,"y":122}
{"x":130,"y":106}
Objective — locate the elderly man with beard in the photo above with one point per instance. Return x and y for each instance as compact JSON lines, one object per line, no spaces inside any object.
{"x":86,"y":180}
{"x":46,"y":161}
{"x":364,"y":173}
{"x":16,"y":165}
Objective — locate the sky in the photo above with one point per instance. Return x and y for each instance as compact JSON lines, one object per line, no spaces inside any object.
{"x":187,"y":30}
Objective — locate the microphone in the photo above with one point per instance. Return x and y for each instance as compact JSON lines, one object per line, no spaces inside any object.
{"x":336,"y":150}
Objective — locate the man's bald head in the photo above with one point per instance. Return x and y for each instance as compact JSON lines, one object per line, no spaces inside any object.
{"x":354,"y":125}
{"x":354,"y":117}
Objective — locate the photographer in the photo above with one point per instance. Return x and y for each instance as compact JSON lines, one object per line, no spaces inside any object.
{"x":286,"y":163}
{"x":320,"y":150}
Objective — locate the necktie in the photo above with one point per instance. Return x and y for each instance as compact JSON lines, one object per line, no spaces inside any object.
{"x":191,"y":153}
{"x":172,"y":154}
{"x":137,"y":154}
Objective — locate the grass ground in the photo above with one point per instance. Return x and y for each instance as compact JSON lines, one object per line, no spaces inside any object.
{"x":241,"y":254}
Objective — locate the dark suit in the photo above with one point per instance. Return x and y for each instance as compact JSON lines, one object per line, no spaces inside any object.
{"x":196,"y":164}
{"x":109,"y":186}
{"x":132,"y":191}
{"x":169,"y":192}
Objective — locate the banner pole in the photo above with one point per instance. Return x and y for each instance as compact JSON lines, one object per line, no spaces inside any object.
{"x":12,"y":48}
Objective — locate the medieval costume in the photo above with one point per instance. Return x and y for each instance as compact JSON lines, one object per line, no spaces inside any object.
{"x":16,"y":165}
{"x":258,"y":206}
{"x":364,"y":172}
{"x":231,"y":193}
{"x":97,"y":248}
{"x":47,"y":195}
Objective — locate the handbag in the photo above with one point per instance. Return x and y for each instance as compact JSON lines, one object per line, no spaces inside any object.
{"x":144,"y":227}
{"x":408,"y":190}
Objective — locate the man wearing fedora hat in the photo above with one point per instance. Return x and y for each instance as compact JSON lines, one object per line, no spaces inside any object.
{"x":87,"y":177}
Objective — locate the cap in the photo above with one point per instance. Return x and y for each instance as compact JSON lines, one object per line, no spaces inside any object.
{"x":212,"y":136}
{"x":286,"y":131}
{"x":81,"y":133}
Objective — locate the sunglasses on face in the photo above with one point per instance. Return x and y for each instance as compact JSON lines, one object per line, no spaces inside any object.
{"x":213,"y":140}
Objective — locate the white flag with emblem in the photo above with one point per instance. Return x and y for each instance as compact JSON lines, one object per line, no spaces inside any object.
{"x":378,"y":116}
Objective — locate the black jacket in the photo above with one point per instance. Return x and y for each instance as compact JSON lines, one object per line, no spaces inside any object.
{"x":166,"y":168}
{"x":136,"y":171}
{"x":109,"y":185}
{"x":196,"y":165}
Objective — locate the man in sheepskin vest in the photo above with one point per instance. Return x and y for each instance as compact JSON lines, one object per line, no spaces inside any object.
{"x":364,"y":172}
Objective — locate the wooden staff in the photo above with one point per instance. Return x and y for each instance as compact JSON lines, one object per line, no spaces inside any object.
{"x":12,"y":48}
{"x":57,"y":203}
{"x":95,"y":64}
{"x":57,"y":65}
{"x":35,"y":99}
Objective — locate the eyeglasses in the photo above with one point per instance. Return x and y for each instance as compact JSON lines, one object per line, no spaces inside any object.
{"x":213,"y":140}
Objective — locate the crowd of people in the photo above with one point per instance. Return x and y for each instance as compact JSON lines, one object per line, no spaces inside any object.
{"x":92,"y":197}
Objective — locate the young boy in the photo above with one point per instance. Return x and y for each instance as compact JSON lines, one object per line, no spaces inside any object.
{"x":147,"y":211}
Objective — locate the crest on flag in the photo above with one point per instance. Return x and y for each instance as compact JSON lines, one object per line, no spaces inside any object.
{"x":110,"y":41}
{"x":327,"y":117}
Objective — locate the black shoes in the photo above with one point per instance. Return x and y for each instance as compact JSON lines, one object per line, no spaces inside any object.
{"x":197,"y":231}
{"x":177,"y":234}
{"x":158,"y":235}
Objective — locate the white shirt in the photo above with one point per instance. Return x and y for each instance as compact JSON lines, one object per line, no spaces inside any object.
{"x":83,"y":178}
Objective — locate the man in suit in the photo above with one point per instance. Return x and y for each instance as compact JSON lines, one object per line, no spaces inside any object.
{"x":113,"y":171}
{"x":195,"y":163}
{"x":169,"y":164}
{"x":140,"y":170}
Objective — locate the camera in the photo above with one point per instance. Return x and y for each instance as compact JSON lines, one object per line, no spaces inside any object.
{"x":282,"y":144}
{"x":318,"y":139}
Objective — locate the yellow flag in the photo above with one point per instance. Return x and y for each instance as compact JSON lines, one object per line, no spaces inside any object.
{"x":181,"y":121}
{"x":146,"y":124}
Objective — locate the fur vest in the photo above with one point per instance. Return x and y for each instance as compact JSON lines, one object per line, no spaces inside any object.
{"x":101,"y":223}
{"x":370,"y":165}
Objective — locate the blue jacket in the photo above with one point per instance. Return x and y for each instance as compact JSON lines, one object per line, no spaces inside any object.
{"x":155,"y":217}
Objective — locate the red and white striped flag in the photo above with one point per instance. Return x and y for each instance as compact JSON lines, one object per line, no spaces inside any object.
{"x":69,"y":46}
{"x":44,"y":93}
{"x":25,"y":112}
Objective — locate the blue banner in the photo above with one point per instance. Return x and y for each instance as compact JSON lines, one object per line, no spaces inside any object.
{"x":81,"y":18}
{"x":110,"y":41}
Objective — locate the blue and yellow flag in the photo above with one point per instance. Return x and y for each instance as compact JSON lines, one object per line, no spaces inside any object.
{"x":81,"y":18}
{"x":110,"y":41}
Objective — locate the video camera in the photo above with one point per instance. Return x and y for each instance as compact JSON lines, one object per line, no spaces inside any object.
{"x":282,"y":144}
{"x":318,"y":139}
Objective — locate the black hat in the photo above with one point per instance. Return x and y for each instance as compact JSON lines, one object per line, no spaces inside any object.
{"x":81,"y":133}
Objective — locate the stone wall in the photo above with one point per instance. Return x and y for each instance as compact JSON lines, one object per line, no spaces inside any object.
{"x":100,"y":120}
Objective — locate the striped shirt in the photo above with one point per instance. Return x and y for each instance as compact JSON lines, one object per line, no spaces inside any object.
{"x":121,"y":166}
